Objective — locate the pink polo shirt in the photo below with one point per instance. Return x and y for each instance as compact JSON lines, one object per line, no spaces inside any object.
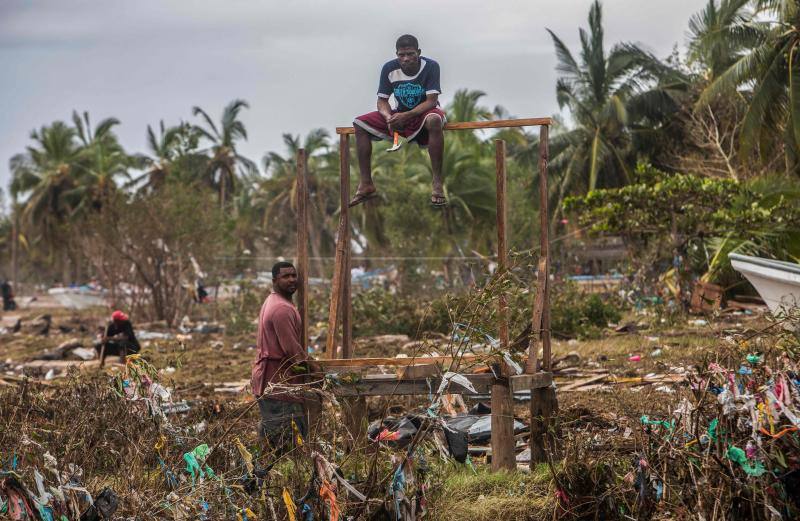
{"x":279,"y":346}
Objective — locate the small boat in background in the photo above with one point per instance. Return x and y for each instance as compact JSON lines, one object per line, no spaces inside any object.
{"x":778,"y":282}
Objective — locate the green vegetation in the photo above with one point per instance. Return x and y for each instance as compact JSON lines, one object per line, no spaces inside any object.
{"x":485,"y":496}
{"x":701,"y":219}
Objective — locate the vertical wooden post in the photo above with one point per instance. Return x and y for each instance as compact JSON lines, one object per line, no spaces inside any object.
{"x":346,"y":304}
{"x":543,"y":401}
{"x":544,"y":241}
{"x":502,"y":401}
{"x":342,"y":262}
{"x":344,"y":181}
{"x":502,"y":240}
{"x":355,"y":409}
{"x":301,"y":191}
{"x":336,"y":293}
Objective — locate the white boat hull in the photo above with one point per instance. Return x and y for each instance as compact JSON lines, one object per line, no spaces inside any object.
{"x":777,"y":282}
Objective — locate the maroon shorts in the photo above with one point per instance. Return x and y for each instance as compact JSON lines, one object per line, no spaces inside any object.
{"x":414,"y":130}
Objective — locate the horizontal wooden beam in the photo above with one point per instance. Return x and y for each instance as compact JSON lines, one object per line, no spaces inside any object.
{"x":478,"y":125}
{"x":396,"y":362}
{"x":387,"y":385}
{"x":524,"y":382}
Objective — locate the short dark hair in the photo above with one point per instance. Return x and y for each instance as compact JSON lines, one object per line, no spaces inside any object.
{"x":407,"y":40}
{"x":276,"y":268}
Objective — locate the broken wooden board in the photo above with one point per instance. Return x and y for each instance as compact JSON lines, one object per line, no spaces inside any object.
{"x":584,"y":381}
{"x":525,"y":382}
{"x":231,"y":387}
{"x":62,"y":365}
{"x":656,"y":379}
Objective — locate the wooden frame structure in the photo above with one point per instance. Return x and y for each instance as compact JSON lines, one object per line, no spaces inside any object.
{"x":535,"y":378}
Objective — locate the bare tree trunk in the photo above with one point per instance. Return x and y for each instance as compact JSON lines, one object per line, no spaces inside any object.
{"x":65,"y":265}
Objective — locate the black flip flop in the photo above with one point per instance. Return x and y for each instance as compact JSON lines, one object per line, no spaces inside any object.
{"x":362,"y":198}
{"x":441,"y":204}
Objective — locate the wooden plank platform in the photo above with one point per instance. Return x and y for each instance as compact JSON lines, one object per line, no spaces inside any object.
{"x":389,"y":385}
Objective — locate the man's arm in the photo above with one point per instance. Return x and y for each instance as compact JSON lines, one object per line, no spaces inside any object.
{"x":431,"y":100}
{"x":384,"y":108}
{"x":399,"y":118}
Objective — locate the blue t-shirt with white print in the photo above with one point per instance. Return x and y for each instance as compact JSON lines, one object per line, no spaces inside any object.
{"x":409,"y":91}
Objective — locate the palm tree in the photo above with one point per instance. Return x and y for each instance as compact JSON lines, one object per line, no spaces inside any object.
{"x":769,"y":74}
{"x":163,"y":149}
{"x":44,"y":179}
{"x":720,"y":34}
{"x":103,"y":160}
{"x":605,"y":93}
{"x":222,"y":167}
{"x":279,"y":187}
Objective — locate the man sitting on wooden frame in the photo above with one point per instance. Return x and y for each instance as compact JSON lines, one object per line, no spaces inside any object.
{"x":414,"y":82}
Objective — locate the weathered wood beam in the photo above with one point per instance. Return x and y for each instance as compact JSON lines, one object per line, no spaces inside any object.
{"x":477,"y":125}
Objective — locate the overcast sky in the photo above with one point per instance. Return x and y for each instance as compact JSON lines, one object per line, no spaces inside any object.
{"x":300,"y":64}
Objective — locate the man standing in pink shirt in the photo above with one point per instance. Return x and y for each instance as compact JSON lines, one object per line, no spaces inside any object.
{"x":281,"y":360}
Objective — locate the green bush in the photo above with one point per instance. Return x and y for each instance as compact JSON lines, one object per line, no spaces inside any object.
{"x":377,"y":312}
{"x":578,"y":315}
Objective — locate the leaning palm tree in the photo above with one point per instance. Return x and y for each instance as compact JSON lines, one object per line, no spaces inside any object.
{"x":769,"y":76}
{"x":225,"y":160}
{"x":605,"y":92}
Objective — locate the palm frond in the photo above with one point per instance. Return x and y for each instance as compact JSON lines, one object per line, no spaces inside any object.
{"x":197,"y":111}
{"x":566,"y":62}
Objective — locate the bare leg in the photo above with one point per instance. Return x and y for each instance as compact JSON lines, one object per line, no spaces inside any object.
{"x":435,"y":130}
{"x":364,"y":151}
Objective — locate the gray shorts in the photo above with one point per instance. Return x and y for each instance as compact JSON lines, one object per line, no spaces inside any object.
{"x":276,"y":422}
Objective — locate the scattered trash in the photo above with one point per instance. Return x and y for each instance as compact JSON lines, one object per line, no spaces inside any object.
{"x":104,"y":506}
{"x":176,"y":408}
{"x":196,"y":463}
{"x":153,"y":335}
{"x":83,"y":353}
{"x":634,"y":358}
